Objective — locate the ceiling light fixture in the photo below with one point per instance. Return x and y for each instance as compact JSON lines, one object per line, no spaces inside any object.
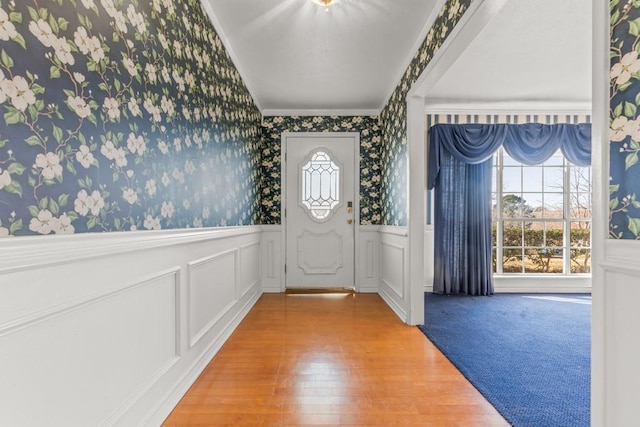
{"x":325,"y":3}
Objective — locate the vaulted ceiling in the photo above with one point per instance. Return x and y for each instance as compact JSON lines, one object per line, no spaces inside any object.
{"x":297,"y":57}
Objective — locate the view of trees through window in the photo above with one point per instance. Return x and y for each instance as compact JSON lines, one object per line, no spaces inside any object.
{"x":541,"y":216}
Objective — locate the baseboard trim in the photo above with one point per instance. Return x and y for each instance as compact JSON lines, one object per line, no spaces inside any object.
{"x":158,"y":414}
{"x":400,"y":312}
{"x":532,"y":290}
{"x":272,"y":289}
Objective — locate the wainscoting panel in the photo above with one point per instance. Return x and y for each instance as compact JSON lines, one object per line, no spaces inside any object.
{"x":57,"y":375}
{"x":272,"y":264}
{"x":394,"y":265}
{"x":551,"y":284}
{"x":249,"y":275}
{"x":622,"y":346}
{"x":619,"y":295}
{"x":98,"y":329}
{"x":212,"y":291}
{"x":391,"y":263}
{"x":428,"y":259}
{"x":369,"y":259}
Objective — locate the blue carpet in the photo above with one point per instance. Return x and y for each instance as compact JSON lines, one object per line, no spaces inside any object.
{"x":530,"y":357}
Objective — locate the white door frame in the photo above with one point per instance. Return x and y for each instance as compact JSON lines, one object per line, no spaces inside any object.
{"x":356,"y":197}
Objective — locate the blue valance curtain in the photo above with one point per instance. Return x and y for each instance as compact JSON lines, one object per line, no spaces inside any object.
{"x":460,"y":171}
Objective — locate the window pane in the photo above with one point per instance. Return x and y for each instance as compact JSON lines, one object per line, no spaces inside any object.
{"x":516,"y":206}
{"x":532,"y":179}
{"x":556,"y":160}
{"x":580,"y":205}
{"x":554,"y":231}
{"x":531,"y":203}
{"x":533,"y":262}
{"x":580,"y":260}
{"x":534,"y":234}
{"x":315,"y":185}
{"x":494,"y":258}
{"x":511,"y":180}
{"x":554,"y":179}
{"x":512,"y":261}
{"x":543,"y":260}
{"x":494,"y":206}
{"x":580,"y":234}
{"x":512,"y":234}
{"x":320,"y":185}
{"x":553,"y":205}
{"x":508,"y":161}
{"x":580,"y":179}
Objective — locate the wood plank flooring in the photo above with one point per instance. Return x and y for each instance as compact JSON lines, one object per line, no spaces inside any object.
{"x":330,"y":359}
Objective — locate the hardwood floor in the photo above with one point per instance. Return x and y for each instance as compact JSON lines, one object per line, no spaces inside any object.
{"x":330,"y":359}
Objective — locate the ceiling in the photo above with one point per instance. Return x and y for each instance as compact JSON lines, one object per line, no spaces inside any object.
{"x":296,"y":57}
{"x":533,"y":55}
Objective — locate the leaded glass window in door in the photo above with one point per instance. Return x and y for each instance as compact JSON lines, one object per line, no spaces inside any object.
{"x":320,"y":185}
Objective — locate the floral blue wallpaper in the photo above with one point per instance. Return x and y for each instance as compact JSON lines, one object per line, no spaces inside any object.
{"x":394,"y":117}
{"x":624,"y":188}
{"x":369,"y":129}
{"x":120,"y":115}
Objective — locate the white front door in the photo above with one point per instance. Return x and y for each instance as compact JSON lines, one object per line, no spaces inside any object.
{"x":320,"y":210}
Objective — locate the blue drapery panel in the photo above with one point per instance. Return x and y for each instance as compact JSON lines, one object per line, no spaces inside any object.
{"x":460,"y":171}
{"x":462,"y":257}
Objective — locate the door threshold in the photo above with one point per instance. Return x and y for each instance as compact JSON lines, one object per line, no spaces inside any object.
{"x":319,"y":291}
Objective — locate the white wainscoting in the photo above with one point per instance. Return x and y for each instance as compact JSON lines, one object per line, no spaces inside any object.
{"x":616,"y":315}
{"x":369,"y":259}
{"x":544,"y":284}
{"x":112,"y":329}
{"x":394,"y":266}
{"x":428,"y":259}
{"x":272,"y":263}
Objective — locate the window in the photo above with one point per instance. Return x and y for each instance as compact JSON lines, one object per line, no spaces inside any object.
{"x":541,"y":216}
{"x":320,"y":185}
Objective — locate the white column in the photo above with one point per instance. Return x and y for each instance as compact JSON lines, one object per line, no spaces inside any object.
{"x":416,"y":206}
{"x":600,"y":219}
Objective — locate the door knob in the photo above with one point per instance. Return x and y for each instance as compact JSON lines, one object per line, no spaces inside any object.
{"x":349,"y":221}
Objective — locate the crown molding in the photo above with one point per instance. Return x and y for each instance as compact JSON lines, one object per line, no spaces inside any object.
{"x":319,"y":112}
{"x":227,"y":45}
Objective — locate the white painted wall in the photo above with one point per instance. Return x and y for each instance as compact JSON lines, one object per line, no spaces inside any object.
{"x":394,"y":270}
{"x":111,"y":329}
